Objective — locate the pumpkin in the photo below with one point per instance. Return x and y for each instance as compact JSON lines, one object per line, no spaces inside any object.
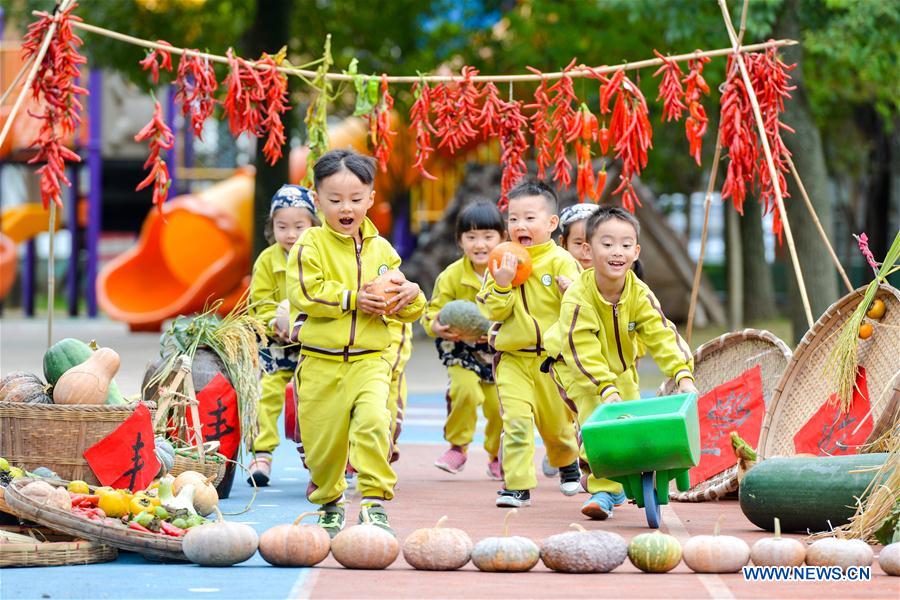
{"x":889,"y":559}
{"x":437,"y":548}
{"x":655,"y":552}
{"x":206,"y":498}
{"x":365,"y":546}
{"x":507,"y":553}
{"x":220,"y":544}
{"x":165,"y":454}
{"x":68,"y":353}
{"x":584,"y":551}
{"x":464,"y":319}
{"x":835,"y":552}
{"x":716,"y":553}
{"x":523,"y":271}
{"x":186,"y":477}
{"x":88,"y":383}
{"x":23,"y":387}
{"x":381,"y":283}
{"x":295,"y":544}
{"x":778,"y":551}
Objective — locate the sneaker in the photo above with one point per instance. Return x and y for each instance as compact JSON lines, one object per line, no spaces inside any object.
{"x":452,"y":461}
{"x":377,"y":516}
{"x":260,"y":469}
{"x":333,"y":519}
{"x":570,"y":479}
{"x":547,"y":469}
{"x":514,"y":498}
{"x":493,"y":470}
{"x":600,"y":506}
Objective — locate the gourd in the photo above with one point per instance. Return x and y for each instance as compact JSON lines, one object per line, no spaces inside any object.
{"x":655,"y":552}
{"x":220,"y":544}
{"x":23,"y":387}
{"x":186,"y":477}
{"x":165,"y":454}
{"x":365,"y":546}
{"x":295,"y":544}
{"x":889,"y":559}
{"x":437,"y":548}
{"x":835,"y":552}
{"x":584,"y":551}
{"x":68,"y":353}
{"x":778,"y":551}
{"x":464,"y":319}
{"x":807,"y":493}
{"x":205,"y":497}
{"x":716,"y":553}
{"x":507,"y":553}
{"x":523,"y":270}
{"x":88,"y":383}
{"x":381,"y":283}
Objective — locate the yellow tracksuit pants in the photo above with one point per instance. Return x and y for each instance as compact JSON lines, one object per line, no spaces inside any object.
{"x":396,"y":405}
{"x":271,"y":403}
{"x":343,"y":414}
{"x":465,"y":394}
{"x":530,"y":398}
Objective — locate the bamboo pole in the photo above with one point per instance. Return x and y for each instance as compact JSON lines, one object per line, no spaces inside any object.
{"x":751,"y":94}
{"x":19,"y":75}
{"x":51,"y":276}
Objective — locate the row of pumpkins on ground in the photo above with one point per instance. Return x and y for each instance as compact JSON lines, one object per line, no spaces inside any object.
{"x":75,"y":373}
{"x":367,"y":546}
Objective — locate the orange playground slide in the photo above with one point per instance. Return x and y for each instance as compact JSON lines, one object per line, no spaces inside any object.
{"x":18,"y":224}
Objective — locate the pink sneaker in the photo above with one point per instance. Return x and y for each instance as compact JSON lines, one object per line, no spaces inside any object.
{"x":452,"y":461}
{"x":494,"y":470}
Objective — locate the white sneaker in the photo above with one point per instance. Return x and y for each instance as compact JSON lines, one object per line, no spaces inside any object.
{"x":547,"y":469}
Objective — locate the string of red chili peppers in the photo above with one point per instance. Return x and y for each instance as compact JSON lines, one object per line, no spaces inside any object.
{"x":696,"y":124}
{"x":456,"y":111}
{"x":738,"y":137}
{"x":511,"y":127}
{"x":55,"y":86}
{"x":161,"y":138}
{"x":197,"y":87}
{"x":380,"y":132}
{"x":420,"y":123}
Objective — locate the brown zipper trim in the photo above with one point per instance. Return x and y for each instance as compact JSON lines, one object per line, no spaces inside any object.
{"x":618,"y":339}
{"x":358,"y":250}
{"x":537,"y":328}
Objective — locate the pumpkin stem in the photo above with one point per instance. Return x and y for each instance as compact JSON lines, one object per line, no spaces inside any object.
{"x":93,"y":345}
{"x":219,"y":517}
{"x":306,"y":514}
{"x":506,"y":521}
{"x":577,"y":527}
{"x":441,"y":521}
{"x":777,"y":528}
{"x":718,"y":524}
{"x":365,"y":514}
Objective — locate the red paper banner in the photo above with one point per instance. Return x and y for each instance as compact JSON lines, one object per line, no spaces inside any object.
{"x":736,"y":405}
{"x":828,"y":432}
{"x":219,"y":416}
{"x":126,"y":458}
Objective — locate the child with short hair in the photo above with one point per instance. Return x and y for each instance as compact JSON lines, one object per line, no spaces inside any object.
{"x":529,"y":397}
{"x":291,"y":213}
{"x":344,"y":380}
{"x":605,"y":313}
{"x":479,"y":228}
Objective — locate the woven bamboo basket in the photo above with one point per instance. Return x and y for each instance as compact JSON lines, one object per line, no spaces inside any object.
{"x":55,"y":435}
{"x":149,"y":545}
{"x":719,"y":361}
{"x":889,"y":418}
{"x":212,"y":465}
{"x":51,"y":549}
{"x":806,"y":383}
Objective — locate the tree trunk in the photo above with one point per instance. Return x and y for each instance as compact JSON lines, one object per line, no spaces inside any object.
{"x":269,"y":32}
{"x":878,"y":188}
{"x":809,"y":158}
{"x":759,"y":293}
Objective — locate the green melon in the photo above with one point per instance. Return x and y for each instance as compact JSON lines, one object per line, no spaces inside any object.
{"x":68,"y":353}
{"x":464,"y":318}
{"x":654,"y":552}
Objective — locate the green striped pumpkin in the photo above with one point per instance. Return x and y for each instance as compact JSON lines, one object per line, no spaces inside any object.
{"x":654,"y":552}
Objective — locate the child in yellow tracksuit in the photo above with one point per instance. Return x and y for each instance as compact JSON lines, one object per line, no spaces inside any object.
{"x":529,"y":397}
{"x":605,"y":313}
{"x":397,"y":355}
{"x":344,"y":379}
{"x":292,"y":212}
{"x":479,"y":228}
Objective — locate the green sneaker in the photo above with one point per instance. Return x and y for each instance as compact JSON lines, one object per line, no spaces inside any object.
{"x":333,"y":519}
{"x":377,"y":516}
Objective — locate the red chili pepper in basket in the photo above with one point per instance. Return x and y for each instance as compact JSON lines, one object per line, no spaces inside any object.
{"x":169,"y":529}
{"x":138,"y":527}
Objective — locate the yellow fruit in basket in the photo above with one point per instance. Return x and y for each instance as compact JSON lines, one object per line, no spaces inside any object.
{"x":16,"y":472}
{"x":876,"y":311}
{"x":865,"y":331}
{"x":78,"y":487}
{"x":113,"y":503}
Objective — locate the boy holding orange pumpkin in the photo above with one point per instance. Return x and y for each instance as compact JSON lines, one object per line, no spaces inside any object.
{"x":522,"y":314}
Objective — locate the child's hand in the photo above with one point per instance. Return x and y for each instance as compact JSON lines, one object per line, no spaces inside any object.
{"x":370,"y":303}
{"x":407,"y":291}
{"x":505,"y":271}
{"x":687,"y":386}
{"x":613,"y":398}
{"x":281,"y":334}
{"x":563,"y":283}
{"x":443,"y":331}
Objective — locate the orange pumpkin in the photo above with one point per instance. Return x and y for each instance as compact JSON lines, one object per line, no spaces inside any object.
{"x":383,"y":282}
{"x":523,"y":271}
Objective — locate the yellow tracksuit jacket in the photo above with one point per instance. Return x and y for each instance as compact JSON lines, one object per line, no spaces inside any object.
{"x":600,"y":347}
{"x":466,"y":391}
{"x":343,"y":375}
{"x":529,"y":397}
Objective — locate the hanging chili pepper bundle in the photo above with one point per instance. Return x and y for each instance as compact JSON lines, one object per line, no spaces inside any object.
{"x":562,"y":96}
{"x":420,"y":123}
{"x":738,"y":137}
{"x":156,"y":59}
{"x":511,"y":128}
{"x":490,"y":110}
{"x":584,"y":130}
{"x":275,"y":104}
{"x":630,"y":131}
{"x":380,"y":127}
{"x":161,"y":138}
{"x":456,"y":111}
{"x":671,"y":90}
{"x":245,"y":96}
{"x":541,"y":125}
{"x":696,"y":124}
{"x":197,"y":87}
{"x":55,"y":87}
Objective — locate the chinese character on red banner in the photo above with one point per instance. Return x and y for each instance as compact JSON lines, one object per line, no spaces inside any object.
{"x":828,"y":432}
{"x":736,"y":405}
{"x":219,"y":415}
{"x":126,"y":458}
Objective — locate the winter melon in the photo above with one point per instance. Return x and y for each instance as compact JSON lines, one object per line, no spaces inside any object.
{"x":464,"y":318}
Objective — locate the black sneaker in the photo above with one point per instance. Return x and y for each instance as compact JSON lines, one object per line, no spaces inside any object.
{"x":332,"y":520}
{"x":570,"y":479}
{"x":377,"y":517}
{"x":514,"y":498}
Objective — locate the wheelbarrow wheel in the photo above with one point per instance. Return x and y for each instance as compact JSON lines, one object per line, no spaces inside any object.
{"x":651,"y":502}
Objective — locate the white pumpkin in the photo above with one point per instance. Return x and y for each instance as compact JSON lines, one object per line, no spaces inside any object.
{"x":584,"y":551}
{"x":220,"y":544}
{"x":716,"y":553}
{"x":438,"y":548}
{"x":889,"y":559}
{"x":835,"y":552}
{"x":777,"y":551}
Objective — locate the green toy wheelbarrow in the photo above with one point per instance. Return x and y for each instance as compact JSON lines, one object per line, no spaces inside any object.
{"x":644,"y":444}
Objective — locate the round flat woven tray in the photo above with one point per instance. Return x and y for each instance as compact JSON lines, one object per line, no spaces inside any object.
{"x":719,"y":361}
{"x":147,"y":544}
{"x":51,"y":549}
{"x":806,"y":383}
